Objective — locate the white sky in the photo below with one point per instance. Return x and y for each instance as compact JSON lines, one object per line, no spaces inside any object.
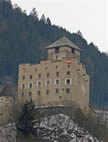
{"x":88,"y":16}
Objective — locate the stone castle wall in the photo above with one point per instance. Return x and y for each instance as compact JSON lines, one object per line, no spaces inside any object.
{"x":59,"y":82}
{"x":7,"y":110}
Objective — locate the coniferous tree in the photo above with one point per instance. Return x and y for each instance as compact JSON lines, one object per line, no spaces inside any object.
{"x":79,"y":33}
{"x":48,"y":21}
{"x":43,"y":19}
{"x":25,"y":123}
{"x":34,"y":14}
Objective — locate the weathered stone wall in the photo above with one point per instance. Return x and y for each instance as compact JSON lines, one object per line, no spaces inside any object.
{"x":7,"y":110}
{"x":53,"y":93}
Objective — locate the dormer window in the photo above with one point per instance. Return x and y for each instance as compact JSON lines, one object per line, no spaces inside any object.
{"x":73,"y":50}
{"x":57,"y":50}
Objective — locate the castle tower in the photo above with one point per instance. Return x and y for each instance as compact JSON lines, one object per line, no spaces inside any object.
{"x":63,"y":48}
{"x":59,"y":80}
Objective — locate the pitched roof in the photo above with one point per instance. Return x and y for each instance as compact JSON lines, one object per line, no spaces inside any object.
{"x":8,"y":91}
{"x":63,"y":42}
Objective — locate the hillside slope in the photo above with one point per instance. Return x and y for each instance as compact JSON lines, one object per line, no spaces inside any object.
{"x":58,"y":128}
{"x":23,"y":39}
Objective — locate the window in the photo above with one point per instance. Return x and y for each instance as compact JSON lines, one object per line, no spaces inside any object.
{"x":73,"y":50}
{"x":62,"y":89}
{"x":47,"y":92}
{"x":68,"y":81}
{"x":68,"y":66}
{"x":30,"y":76}
{"x":57,"y":81}
{"x":57,"y":50}
{"x":56,"y":67}
{"x":47,"y":82}
{"x":68,"y":72}
{"x":57,"y":74}
{"x":23,"y":77}
{"x":67,"y":90}
{"x":57,"y":90}
{"x":30,"y":93}
{"x":39,"y":75}
{"x":23,"y":86}
{"x":60,"y":97}
{"x":48,"y":74}
{"x":35,"y":69}
{"x":38,"y":92}
{"x":39,"y":83}
{"x":30,"y":85}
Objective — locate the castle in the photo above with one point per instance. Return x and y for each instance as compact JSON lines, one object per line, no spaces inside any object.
{"x":59,"y":80}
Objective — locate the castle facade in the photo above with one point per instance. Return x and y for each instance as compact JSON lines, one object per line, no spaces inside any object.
{"x":59,"y":80}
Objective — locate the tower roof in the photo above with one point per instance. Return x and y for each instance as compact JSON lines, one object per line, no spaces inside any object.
{"x":63,"y":42}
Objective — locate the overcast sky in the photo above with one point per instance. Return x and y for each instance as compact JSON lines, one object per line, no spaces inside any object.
{"x":88,"y":16}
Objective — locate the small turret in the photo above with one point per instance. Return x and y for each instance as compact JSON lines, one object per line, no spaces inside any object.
{"x":63,"y":48}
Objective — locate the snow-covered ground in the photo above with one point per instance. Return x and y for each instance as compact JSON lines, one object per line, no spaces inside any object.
{"x":8,"y":133}
{"x":58,"y":128}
